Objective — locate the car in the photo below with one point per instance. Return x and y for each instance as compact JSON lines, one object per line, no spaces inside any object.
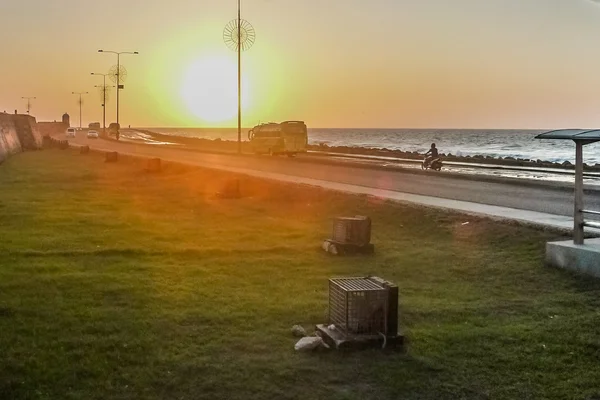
{"x":71,"y":132}
{"x":92,"y":134}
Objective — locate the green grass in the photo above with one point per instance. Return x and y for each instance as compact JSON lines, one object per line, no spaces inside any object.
{"x":118,"y":284}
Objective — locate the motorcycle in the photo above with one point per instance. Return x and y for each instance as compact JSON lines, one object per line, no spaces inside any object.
{"x":435,"y":164}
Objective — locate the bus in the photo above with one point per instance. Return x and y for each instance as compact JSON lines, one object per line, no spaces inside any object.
{"x":287,"y":137}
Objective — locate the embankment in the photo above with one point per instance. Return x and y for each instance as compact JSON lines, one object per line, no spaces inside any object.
{"x":18,"y":133}
{"x":231,"y":146}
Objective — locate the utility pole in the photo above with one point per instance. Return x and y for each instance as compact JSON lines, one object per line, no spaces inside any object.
{"x":80,"y":104}
{"x":28,"y":102}
{"x":104,"y":89}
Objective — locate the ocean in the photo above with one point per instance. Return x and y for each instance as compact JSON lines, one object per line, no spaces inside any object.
{"x":461,"y":142}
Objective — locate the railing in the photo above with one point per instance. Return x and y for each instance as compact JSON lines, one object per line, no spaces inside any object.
{"x":591,"y":224}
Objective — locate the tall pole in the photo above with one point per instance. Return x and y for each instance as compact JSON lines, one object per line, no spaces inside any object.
{"x":235,"y":40}
{"x":118,"y":72}
{"x":118,"y":86}
{"x":104,"y":88}
{"x":104,"y":105}
{"x":239,"y":32}
{"x":80,"y":104}
{"x":28,"y":103}
{"x":578,"y":214}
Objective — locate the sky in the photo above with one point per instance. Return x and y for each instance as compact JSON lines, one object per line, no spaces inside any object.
{"x":514,"y":64}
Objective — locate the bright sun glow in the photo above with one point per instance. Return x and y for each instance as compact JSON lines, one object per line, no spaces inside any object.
{"x":210,"y":89}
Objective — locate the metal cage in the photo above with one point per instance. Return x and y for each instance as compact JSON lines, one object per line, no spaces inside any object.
{"x":360,"y":306}
{"x":352,"y":230}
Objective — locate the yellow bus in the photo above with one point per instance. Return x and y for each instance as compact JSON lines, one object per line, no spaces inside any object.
{"x":288,"y":137}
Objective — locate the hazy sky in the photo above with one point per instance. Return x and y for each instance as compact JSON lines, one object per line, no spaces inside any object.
{"x":332,"y":63}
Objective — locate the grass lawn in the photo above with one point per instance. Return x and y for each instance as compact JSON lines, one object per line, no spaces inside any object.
{"x":119,"y":284}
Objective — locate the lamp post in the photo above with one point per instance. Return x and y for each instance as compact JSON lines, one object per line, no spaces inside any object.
{"x":28,"y":102}
{"x":118,"y":74}
{"x":80,"y":104}
{"x":239,"y":35}
{"x":104,"y":88}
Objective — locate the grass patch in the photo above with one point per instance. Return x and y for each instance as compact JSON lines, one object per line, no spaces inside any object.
{"x":115,"y":283}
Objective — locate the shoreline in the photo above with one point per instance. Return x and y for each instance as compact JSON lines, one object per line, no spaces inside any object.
{"x":230,"y":145}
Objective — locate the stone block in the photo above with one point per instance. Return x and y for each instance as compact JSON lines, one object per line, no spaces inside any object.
{"x":112,"y":156}
{"x":153,"y":165}
{"x":583,"y":259}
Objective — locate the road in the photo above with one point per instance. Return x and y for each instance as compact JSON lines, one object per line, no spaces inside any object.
{"x":537,"y":198}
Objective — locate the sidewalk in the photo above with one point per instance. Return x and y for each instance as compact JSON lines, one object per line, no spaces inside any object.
{"x":560,"y":222}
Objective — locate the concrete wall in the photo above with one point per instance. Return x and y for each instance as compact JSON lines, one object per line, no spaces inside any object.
{"x":52,"y":128}
{"x":9,"y":140}
{"x":28,"y":132}
{"x":18,"y":133}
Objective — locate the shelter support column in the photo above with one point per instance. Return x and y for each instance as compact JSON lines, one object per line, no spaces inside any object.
{"x":578,"y":214}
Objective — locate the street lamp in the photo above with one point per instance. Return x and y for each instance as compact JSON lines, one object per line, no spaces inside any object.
{"x":239,"y":35}
{"x":118,"y":73}
{"x":28,"y":102}
{"x":104,"y":88}
{"x":80,"y":104}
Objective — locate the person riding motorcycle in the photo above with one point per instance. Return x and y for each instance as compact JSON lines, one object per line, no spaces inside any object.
{"x":431,"y":154}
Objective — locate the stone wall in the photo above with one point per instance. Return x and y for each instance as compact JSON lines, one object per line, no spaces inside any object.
{"x":28,"y":132}
{"x":18,"y":133}
{"x":52,"y":128}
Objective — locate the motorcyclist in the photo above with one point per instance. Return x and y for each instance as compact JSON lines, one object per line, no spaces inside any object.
{"x":431,"y":154}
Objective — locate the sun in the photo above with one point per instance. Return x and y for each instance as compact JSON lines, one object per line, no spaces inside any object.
{"x":209,"y":89}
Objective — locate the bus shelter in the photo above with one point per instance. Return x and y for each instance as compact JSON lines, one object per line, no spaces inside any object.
{"x":577,"y":255}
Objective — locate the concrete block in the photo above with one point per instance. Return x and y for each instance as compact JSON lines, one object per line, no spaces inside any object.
{"x":153,"y":165}
{"x":231,"y":190}
{"x":112,"y":156}
{"x":584,"y":259}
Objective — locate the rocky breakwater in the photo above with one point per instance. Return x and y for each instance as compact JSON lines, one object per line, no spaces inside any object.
{"x":18,"y":133}
{"x":477,"y":159}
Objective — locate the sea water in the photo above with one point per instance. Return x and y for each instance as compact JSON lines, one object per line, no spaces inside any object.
{"x":461,"y":142}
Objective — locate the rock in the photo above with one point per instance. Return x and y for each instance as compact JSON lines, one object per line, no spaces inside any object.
{"x":308,"y":343}
{"x":112,"y":156}
{"x":153,"y":165}
{"x":231,"y":190}
{"x":46,"y":142}
{"x":298,"y":331}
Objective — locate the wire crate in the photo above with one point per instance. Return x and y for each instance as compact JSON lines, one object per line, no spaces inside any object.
{"x":359,"y":306}
{"x":352,"y":230}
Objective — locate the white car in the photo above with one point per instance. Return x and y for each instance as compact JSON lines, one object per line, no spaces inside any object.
{"x":71,"y":132}
{"x":92,"y":134}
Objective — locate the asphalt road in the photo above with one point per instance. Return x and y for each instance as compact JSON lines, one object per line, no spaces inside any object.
{"x":534,"y":198}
